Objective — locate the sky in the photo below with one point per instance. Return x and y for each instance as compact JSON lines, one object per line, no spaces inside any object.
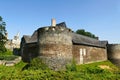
{"x":100,"y":17}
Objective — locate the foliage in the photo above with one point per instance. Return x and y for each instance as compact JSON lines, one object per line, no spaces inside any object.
{"x":2,"y":35}
{"x":85,"y":33}
{"x":2,"y":47}
{"x":8,"y":55}
{"x":2,"y":26}
{"x":36,"y":64}
{"x":7,"y":52}
{"x":72,"y":66}
{"x":83,"y":72}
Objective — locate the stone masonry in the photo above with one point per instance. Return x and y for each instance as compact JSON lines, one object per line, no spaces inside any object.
{"x":58,"y":45}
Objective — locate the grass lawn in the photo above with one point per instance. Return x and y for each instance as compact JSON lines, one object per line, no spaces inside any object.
{"x":94,"y":71}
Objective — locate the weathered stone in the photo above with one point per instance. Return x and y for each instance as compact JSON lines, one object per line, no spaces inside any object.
{"x":2,"y":62}
{"x":56,"y":48}
{"x":58,"y":45}
{"x":92,"y":54}
{"x":114,"y":53}
{"x":10,"y":63}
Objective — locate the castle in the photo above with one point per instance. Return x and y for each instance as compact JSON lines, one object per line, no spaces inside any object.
{"x":11,"y":44}
{"x":58,"y":45}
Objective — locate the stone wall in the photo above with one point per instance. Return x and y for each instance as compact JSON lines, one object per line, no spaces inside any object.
{"x":88,"y":54}
{"x":55,"y":45}
{"x":29,"y":52}
{"x":11,"y":62}
{"x":114,"y":53}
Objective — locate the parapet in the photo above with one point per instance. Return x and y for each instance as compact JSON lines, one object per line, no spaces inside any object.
{"x":56,"y":29}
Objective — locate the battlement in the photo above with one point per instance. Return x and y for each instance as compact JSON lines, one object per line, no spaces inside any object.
{"x":56,"y":29}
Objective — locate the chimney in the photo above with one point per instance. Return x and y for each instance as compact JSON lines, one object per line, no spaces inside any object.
{"x":53,"y":22}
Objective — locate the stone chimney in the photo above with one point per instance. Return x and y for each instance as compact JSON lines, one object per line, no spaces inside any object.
{"x":53,"y":22}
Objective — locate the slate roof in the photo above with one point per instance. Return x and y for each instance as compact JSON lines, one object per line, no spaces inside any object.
{"x":26,"y":38}
{"x":62,"y":24}
{"x":33,"y":37}
{"x":84,"y":40}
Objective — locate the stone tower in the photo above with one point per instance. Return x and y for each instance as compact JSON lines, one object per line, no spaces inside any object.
{"x":114,"y":53}
{"x":55,"y":46}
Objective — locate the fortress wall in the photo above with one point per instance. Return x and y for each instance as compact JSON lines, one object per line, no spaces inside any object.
{"x":29,"y":52}
{"x":88,"y":54}
{"x":55,"y":46}
{"x":114,"y":53}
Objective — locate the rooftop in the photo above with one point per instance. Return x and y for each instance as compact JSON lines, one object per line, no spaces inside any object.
{"x":76,"y":38}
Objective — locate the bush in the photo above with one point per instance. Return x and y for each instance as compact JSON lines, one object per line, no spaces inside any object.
{"x":94,"y":70}
{"x":72,"y":66}
{"x":36,"y":64}
{"x":7,"y":52}
{"x":85,"y":72}
{"x":2,"y":47}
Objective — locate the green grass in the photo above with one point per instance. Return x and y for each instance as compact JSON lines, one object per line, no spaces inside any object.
{"x":8,"y":52}
{"x":93,"y":71}
{"x":81,"y":72}
{"x":8,"y":55}
{"x":34,"y":71}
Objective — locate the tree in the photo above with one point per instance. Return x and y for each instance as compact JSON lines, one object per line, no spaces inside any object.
{"x":2,"y":35}
{"x":85,"y":33}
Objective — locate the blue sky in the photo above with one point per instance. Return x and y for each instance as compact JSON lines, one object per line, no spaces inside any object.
{"x":100,"y":17}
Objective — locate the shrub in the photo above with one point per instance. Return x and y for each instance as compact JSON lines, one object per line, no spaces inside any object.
{"x":72,"y":66}
{"x":36,"y":64}
{"x":7,"y":52}
{"x":94,"y":70}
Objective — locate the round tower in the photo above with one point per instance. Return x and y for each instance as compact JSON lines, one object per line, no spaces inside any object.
{"x":114,"y":53}
{"x":55,"y":46}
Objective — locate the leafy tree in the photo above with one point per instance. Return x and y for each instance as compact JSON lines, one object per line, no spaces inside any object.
{"x":85,"y":33}
{"x":2,"y":35}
